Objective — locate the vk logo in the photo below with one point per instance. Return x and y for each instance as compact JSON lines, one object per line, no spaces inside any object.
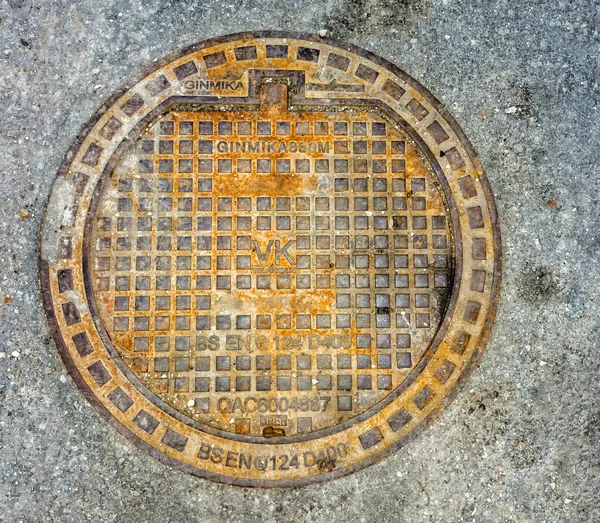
{"x":273,"y":250}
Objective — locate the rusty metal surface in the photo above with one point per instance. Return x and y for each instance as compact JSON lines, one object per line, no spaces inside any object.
{"x":275,"y":259}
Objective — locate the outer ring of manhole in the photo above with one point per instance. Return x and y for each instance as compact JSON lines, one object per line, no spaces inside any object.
{"x":339,"y":74}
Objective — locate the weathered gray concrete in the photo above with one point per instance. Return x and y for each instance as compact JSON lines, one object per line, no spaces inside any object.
{"x":521,"y":442}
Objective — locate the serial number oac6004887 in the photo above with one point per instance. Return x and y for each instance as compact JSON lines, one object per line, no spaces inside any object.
{"x":273,"y":404}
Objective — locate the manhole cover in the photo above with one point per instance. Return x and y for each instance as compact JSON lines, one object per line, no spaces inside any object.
{"x":270,"y":260}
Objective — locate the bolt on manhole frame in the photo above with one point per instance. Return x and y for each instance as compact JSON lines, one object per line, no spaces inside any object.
{"x":336,"y":72}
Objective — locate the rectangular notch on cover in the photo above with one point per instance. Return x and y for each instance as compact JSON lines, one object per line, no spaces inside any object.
{"x":274,"y":97}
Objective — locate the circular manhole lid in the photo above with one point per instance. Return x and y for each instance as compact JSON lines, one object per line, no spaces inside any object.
{"x":271,"y":259}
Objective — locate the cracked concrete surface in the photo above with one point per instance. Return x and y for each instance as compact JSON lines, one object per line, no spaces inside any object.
{"x":521,"y":441}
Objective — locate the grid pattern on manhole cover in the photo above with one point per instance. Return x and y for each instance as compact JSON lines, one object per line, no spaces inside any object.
{"x":234,"y":268}
{"x":271,"y":260}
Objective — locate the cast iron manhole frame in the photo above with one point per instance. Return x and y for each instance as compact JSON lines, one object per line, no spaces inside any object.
{"x":162,"y":432}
